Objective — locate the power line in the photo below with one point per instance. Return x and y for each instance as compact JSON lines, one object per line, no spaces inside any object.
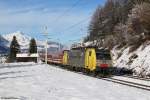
{"x":68,"y":10}
{"x":74,"y":25}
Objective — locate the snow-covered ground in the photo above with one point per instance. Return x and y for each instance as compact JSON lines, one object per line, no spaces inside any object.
{"x":44,"y":82}
{"x":138,"y":60}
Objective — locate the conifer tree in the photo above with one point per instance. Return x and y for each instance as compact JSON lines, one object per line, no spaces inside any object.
{"x":33,"y":46}
{"x":14,"y":49}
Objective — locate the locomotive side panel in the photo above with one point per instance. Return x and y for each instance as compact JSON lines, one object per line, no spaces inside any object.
{"x":90,"y":59}
{"x":76,"y":58}
{"x":65,"y":58}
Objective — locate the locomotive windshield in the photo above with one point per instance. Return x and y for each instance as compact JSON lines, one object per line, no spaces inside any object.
{"x":103,"y":56}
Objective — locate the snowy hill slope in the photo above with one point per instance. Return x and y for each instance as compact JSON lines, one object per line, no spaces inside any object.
{"x":23,"y":39}
{"x":3,"y":45}
{"x":138,"y":61}
{"x":3,"y":41}
{"x":4,"y":49}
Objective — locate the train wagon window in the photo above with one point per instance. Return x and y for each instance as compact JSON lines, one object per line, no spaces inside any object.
{"x":103,"y":56}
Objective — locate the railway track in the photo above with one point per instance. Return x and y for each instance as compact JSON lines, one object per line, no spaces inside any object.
{"x":128,"y":83}
{"x":136,"y":77}
{"x":125,"y":82}
{"x":119,"y":81}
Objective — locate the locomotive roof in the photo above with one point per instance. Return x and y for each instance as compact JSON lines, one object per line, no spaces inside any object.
{"x":103,"y":50}
{"x":96,"y":48}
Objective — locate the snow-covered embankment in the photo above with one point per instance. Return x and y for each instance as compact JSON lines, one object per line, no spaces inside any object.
{"x":138,"y":61}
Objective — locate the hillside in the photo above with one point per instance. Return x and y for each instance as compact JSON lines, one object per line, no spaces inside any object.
{"x":138,"y":61}
{"x":22,"y":39}
{"x":3,"y":45}
{"x":123,"y":26}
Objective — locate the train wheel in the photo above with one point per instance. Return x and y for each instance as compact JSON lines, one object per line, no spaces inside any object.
{"x":74,"y":68}
{"x":87,"y":71}
{"x":70,"y":68}
{"x":84,"y":70}
{"x":80,"y":69}
{"x":94,"y":73}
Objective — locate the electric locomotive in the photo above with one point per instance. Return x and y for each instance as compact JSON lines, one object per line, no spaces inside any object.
{"x":88,"y":60}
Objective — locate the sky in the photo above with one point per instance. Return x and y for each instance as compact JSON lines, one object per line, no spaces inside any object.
{"x":66,"y":20}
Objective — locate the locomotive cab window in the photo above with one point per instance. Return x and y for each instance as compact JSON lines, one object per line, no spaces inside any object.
{"x":103,"y":56}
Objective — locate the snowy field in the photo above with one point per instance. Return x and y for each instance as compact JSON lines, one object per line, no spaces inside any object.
{"x":44,"y":82}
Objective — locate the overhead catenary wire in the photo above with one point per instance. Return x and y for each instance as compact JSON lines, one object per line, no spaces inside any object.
{"x":66,"y":11}
{"x":75,"y":25}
